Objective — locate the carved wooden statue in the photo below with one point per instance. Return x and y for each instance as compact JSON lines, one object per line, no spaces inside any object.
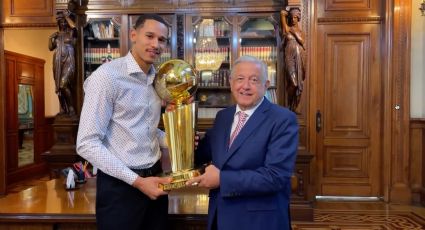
{"x":293,"y":45}
{"x":63,"y":42}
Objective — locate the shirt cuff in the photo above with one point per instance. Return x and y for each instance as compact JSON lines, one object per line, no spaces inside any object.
{"x":130,"y":178}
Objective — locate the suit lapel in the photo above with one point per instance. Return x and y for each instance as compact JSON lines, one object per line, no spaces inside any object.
{"x":227,"y":124}
{"x":253,"y":122}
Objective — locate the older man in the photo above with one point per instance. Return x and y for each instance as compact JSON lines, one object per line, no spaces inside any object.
{"x":252,"y":147}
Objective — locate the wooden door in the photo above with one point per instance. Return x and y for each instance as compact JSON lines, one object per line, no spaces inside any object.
{"x":349,"y":103}
{"x":25,"y":71}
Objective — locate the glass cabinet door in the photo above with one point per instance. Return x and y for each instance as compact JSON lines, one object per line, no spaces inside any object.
{"x":259,"y":38}
{"x":211,"y":48}
{"x":101,"y":42}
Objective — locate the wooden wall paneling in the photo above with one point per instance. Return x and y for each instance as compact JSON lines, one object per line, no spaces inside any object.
{"x":11,"y":114}
{"x":365,"y":9}
{"x":2,"y":112}
{"x":32,"y":226}
{"x":422,"y":190}
{"x":39,"y":116}
{"x":37,"y":14}
{"x":397,"y":101}
{"x":417,"y":160}
{"x":49,"y":138}
{"x":349,"y":98}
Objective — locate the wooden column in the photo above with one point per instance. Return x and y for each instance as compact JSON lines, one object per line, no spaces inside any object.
{"x":397,"y":102}
{"x":81,"y":20}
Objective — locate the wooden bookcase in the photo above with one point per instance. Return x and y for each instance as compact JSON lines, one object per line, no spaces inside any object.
{"x":237,"y":27}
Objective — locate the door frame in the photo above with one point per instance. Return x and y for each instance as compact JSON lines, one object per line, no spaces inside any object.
{"x":396,"y":149}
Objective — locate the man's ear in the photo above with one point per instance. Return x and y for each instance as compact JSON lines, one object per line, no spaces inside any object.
{"x":133,"y":34}
{"x":267,"y":83}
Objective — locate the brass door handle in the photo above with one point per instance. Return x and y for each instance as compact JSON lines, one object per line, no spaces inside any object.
{"x":318,"y":121}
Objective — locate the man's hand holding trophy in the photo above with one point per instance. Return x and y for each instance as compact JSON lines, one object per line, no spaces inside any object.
{"x":175,"y":83}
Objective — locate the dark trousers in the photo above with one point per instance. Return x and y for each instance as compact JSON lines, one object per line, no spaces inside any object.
{"x":123,"y":207}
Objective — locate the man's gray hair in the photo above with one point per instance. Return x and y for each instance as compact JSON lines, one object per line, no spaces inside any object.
{"x":255,"y":60}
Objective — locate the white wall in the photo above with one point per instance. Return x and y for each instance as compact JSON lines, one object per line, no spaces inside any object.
{"x":34,"y":42}
{"x":417,"y":83}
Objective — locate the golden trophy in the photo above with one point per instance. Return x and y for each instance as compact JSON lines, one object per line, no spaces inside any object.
{"x":176,"y":82}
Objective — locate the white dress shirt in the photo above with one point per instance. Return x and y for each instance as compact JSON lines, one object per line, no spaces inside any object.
{"x":119,"y":119}
{"x":248,"y":112}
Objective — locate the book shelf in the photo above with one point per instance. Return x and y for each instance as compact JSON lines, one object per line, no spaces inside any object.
{"x":217,"y":40}
{"x":101,"y":43}
{"x":259,"y":38}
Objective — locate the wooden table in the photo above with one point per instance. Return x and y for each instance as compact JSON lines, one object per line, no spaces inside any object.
{"x":49,"y":206}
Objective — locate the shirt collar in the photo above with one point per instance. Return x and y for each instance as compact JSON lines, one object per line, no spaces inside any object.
{"x":250,"y":111}
{"x":134,"y":70}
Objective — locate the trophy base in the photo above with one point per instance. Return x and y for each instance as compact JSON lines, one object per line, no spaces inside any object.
{"x":179,"y":179}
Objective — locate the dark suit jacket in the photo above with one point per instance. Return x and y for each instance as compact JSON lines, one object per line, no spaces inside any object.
{"x":255,"y":172}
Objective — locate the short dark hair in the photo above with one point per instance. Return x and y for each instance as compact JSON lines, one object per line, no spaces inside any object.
{"x":142,"y":18}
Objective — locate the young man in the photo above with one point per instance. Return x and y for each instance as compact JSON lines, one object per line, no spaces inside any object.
{"x":118,"y":133}
{"x":252,"y":149}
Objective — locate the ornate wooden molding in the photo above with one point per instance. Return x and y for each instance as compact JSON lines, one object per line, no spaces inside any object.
{"x":417,"y":122}
{"x":26,"y":25}
{"x":182,"y":10}
{"x":374,"y":19}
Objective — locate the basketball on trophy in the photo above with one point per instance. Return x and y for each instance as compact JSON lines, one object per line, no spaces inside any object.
{"x":176,"y":81}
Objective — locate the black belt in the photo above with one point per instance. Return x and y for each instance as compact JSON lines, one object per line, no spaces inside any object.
{"x":152,"y":171}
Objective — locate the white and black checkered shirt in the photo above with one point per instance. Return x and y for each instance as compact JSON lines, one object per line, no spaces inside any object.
{"x":119,"y":119}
